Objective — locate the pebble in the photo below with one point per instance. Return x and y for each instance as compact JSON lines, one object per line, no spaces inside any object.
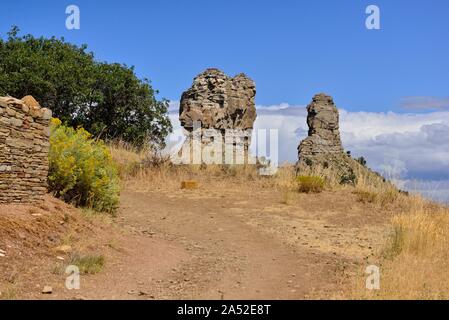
{"x":47,"y":290}
{"x":64,"y":249}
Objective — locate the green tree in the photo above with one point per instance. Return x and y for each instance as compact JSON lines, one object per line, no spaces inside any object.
{"x":108,"y":100}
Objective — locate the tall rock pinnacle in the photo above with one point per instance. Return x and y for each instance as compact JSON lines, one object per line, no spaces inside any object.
{"x":324,"y":134}
{"x":323,"y":145}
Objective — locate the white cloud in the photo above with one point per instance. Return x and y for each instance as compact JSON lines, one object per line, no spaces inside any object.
{"x":173,"y":106}
{"x":436,"y":190}
{"x":402,"y":146}
{"x":412,"y":145}
{"x":425,"y":103}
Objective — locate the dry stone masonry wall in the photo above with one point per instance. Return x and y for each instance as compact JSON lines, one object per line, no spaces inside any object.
{"x":24,"y":145}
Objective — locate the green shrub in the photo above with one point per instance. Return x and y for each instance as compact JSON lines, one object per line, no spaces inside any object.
{"x":349,"y":178}
{"x":362,"y":161}
{"x":308,"y":162}
{"x":82,"y":171}
{"x":310,"y":184}
{"x":90,"y":264}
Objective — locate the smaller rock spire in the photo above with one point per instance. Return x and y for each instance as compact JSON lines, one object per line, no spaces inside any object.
{"x":324,"y":134}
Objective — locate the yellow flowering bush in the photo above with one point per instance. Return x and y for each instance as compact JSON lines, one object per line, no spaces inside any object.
{"x":82,"y":171}
{"x":310,"y":184}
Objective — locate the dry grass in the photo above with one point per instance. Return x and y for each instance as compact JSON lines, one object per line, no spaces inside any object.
{"x":415,"y":262}
{"x":8,"y":294}
{"x":143,"y":170}
{"x":383,"y":197}
{"x":365,"y":196}
{"x":127,"y":158}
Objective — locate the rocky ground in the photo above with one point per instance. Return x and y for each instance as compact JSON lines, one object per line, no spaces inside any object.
{"x":219,"y":243}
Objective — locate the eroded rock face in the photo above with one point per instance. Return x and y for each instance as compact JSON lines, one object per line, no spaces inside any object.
{"x":324,"y":133}
{"x":219,"y":102}
{"x":323,"y":146}
{"x":216,"y":101}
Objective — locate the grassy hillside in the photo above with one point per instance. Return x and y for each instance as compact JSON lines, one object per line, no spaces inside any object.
{"x":412,"y":255}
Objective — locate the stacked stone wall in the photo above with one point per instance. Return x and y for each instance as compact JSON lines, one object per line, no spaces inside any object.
{"x":24,"y":146}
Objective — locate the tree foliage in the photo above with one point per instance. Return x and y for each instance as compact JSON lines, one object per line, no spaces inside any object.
{"x":108,"y":100}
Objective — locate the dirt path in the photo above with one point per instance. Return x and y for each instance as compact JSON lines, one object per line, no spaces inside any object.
{"x":215,"y":243}
{"x":235,"y":244}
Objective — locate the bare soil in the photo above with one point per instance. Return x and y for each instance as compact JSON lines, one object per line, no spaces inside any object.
{"x":210,"y":243}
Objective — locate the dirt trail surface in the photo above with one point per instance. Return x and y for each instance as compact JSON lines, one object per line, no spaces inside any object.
{"x":231,"y":243}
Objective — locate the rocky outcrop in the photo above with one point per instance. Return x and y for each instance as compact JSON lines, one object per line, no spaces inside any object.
{"x":324,"y":132}
{"x":216,"y":101}
{"x":323,"y":145}
{"x":219,"y":102}
{"x":24,"y":145}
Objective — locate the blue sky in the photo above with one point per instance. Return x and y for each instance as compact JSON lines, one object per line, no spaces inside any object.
{"x":292,"y":49}
{"x":391,"y":85}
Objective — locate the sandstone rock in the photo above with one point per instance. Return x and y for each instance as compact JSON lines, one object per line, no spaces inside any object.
{"x":16,"y":122}
{"x":4,"y":120}
{"x":189,"y":185}
{"x":10,"y":112}
{"x":30,"y":101}
{"x":64,"y":249}
{"x":46,"y":114}
{"x":47,"y":290}
{"x":219,"y":102}
{"x":4,"y":168}
{"x":323,"y":145}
